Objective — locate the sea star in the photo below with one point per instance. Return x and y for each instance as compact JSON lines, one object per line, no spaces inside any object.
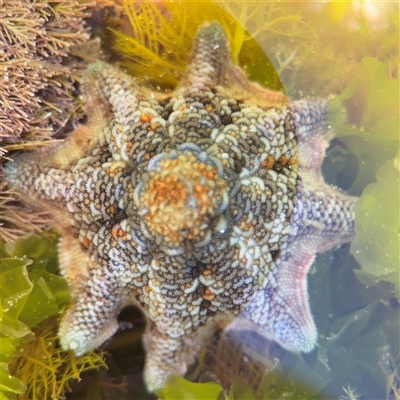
{"x":197,"y":206}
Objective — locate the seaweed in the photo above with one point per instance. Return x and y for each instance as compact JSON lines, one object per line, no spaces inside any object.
{"x":156,"y":42}
{"x":39,"y":71}
{"x":368,"y":125}
{"x":32,"y":295}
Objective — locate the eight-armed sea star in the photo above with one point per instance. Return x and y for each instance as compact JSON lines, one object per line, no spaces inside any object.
{"x":197,"y":206}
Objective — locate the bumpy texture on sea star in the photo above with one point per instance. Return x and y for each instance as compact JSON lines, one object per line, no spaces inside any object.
{"x":198,"y":206}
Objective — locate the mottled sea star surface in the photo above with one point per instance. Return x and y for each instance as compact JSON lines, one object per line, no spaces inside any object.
{"x":197,"y":206}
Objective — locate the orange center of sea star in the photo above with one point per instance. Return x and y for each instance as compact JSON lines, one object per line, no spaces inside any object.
{"x":182,"y":196}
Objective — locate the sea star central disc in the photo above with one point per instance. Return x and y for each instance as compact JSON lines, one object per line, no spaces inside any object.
{"x":181,"y":197}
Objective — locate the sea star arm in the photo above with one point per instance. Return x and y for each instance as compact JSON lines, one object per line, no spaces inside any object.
{"x":313,"y":135}
{"x":91,"y":317}
{"x":108,"y":94}
{"x":211,"y":66}
{"x":208,"y":60}
{"x":168,"y":355}
{"x":280,"y":311}
{"x":323,"y":216}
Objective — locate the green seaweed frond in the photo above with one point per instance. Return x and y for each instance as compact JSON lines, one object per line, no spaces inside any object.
{"x":370,"y":130}
{"x":180,"y":388}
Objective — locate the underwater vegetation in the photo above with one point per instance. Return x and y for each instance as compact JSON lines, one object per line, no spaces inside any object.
{"x":33,"y":366}
{"x":336,"y":49}
{"x":148,"y":54}
{"x":40,"y":44}
{"x":373,"y":138}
